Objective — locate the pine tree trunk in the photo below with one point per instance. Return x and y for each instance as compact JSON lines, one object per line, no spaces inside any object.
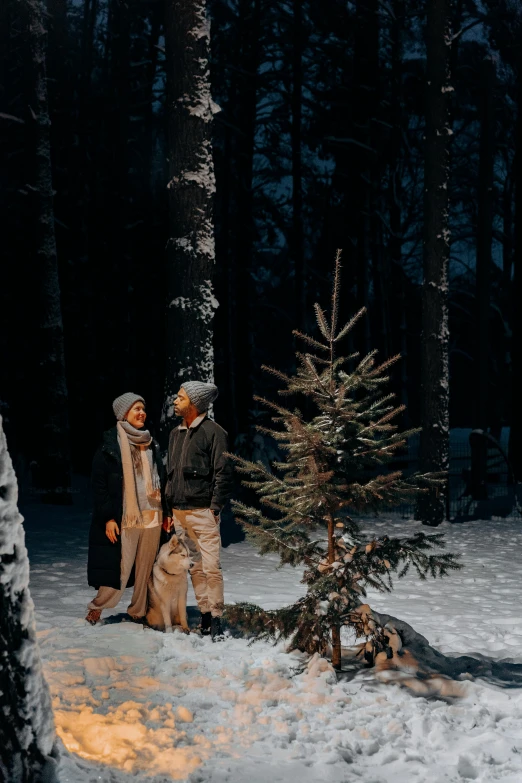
{"x":120,"y":365}
{"x":434,"y":441}
{"x":297,"y":244}
{"x":26,"y":728}
{"x":225,"y":317}
{"x":515,"y":437}
{"x":52,"y":440}
{"x":483,"y":412}
{"x":507,"y":234}
{"x":336,"y":629}
{"x":364,"y":161}
{"x":249,"y":11}
{"x":190,"y":248}
{"x":484,"y":238}
{"x":81,"y":318}
{"x":395,"y":196}
{"x":156,"y":20}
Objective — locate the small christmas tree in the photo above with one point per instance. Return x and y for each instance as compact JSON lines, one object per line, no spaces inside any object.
{"x":333,"y":467}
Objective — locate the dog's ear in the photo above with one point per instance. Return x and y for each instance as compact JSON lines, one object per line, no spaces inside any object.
{"x":173,"y":542}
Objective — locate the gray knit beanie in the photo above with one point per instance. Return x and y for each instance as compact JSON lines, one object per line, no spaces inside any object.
{"x":124,"y":403}
{"x":202,"y":395}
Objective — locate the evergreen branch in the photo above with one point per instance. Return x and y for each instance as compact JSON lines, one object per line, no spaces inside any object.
{"x":311,"y":341}
{"x":283,"y":412}
{"x":307,"y":359}
{"x":375,"y":404}
{"x":322,"y":323}
{"x":335,"y":294}
{"x":390,"y":415}
{"x":384,"y":366}
{"x":279,"y":375}
{"x":349,"y":326}
{"x":367,"y":362}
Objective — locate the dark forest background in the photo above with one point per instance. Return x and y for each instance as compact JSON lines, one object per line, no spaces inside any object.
{"x":318,"y":145}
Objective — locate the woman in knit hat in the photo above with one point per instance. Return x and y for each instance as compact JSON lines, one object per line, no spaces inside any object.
{"x":129,"y":509}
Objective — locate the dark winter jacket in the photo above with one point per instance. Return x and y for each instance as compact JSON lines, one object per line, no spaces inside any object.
{"x":104,"y":560}
{"x":199,"y":474}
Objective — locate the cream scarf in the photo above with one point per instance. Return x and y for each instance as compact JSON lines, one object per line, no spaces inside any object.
{"x":127,"y":434}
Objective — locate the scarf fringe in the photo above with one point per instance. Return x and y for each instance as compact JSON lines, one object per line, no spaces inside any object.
{"x":130,"y":522}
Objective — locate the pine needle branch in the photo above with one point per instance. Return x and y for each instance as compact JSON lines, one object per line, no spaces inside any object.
{"x":311,"y":341}
{"x":322,"y":323}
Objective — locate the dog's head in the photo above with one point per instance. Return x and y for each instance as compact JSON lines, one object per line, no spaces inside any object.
{"x":174,"y":556}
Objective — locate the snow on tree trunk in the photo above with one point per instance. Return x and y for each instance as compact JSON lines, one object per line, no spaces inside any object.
{"x":190,"y":248}
{"x":26,"y":718}
{"x":434,"y":439}
{"x":52,"y":441}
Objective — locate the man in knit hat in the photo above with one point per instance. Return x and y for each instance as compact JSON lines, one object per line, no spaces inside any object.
{"x":200,"y":481}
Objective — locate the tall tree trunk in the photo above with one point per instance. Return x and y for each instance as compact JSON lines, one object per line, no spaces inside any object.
{"x":515,"y":438}
{"x":245,"y":121}
{"x":80,"y":320}
{"x":190,"y":248}
{"x":26,"y":728}
{"x":483,"y":413}
{"x":52,"y":440}
{"x":395,"y":195}
{"x":364,"y":161}
{"x":434,"y":440}
{"x":484,"y":238}
{"x":225,"y":317}
{"x":121,"y":367}
{"x":156,"y":22}
{"x":297,"y":244}
{"x":507,"y":234}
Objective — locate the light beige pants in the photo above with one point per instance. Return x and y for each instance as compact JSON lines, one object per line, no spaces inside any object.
{"x":139,"y":547}
{"x":199,"y":528}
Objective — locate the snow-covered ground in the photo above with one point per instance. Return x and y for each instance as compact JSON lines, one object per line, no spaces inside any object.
{"x":133,"y":704}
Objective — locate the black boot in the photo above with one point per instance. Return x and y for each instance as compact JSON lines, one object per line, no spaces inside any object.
{"x":217,"y":630}
{"x":206,"y":622}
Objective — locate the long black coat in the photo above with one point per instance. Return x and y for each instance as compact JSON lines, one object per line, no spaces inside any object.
{"x":104,"y":560}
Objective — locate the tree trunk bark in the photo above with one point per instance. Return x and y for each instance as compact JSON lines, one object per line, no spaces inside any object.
{"x":297,"y":244}
{"x":395,"y":194}
{"x":122,"y":283}
{"x":53,"y":451}
{"x":246,"y":122}
{"x":483,"y":414}
{"x":484,"y":239}
{"x":26,"y":729}
{"x":434,"y":440}
{"x":507,"y":234}
{"x":336,"y":630}
{"x":364,"y":161}
{"x":515,"y":437}
{"x":190,"y":248}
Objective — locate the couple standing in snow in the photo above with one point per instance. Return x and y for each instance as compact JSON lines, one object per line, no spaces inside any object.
{"x":133,"y":500}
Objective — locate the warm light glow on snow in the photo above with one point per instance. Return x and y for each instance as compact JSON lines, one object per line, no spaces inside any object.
{"x":121,"y":739}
